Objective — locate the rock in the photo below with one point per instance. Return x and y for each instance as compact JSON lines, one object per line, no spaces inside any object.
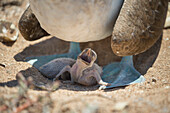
{"x":8,"y":31}
{"x":120,"y":106}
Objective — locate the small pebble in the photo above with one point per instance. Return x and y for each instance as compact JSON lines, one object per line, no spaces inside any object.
{"x":120,"y":106}
{"x":167,"y":87}
{"x":4,"y":30}
{"x":154,"y":80}
{"x":166,"y":39}
{"x":140,"y":91}
{"x":8,"y":31}
{"x":12,"y":26}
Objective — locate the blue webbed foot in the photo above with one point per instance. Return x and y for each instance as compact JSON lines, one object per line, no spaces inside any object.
{"x":121,"y":74}
{"x":38,"y":61}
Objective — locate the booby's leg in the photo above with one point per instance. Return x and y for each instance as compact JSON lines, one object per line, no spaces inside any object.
{"x":38,"y":61}
{"x":66,"y":68}
{"x":121,"y":74}
{"x":99,"y":80}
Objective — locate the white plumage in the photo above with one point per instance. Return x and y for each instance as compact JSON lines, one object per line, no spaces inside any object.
{"x":77,"y":20}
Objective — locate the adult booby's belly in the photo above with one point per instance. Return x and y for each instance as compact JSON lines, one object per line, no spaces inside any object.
{"x":77,"y":20}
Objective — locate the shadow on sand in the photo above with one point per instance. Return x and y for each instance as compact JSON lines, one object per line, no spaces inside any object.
{"x":142,"y":62}
{"x":38,"y":78}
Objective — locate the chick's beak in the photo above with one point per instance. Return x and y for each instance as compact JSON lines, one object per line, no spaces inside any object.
{"x":89,"y":52}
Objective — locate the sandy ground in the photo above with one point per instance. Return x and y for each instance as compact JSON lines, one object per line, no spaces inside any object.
{"x":152,"y":96}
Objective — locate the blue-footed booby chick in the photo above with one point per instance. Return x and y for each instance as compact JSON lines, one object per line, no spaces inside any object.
{"x":83,"y":70}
